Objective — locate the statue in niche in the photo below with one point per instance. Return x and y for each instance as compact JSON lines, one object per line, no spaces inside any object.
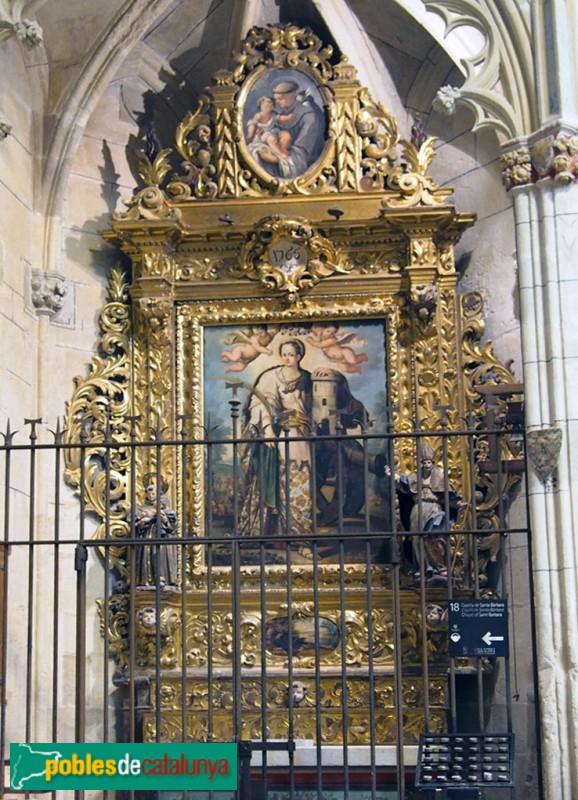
{"x":422,"y":510}
{"x":156,"y":564}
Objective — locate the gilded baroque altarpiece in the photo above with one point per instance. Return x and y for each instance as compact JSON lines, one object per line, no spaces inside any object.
{"x":289,"y":209}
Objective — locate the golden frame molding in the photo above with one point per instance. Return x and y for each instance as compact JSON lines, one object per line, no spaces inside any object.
{"x":192,"y":318}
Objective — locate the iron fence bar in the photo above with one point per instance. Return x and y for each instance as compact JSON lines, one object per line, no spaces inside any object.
{"x":533,"y":640}
{"x":398,"y":678}
{"x":415,"y":435}
{"x":56,"y":588}
{"x":155,"y":566}
{"x":503,"y":584}
{"x":182,"y":516}
{"x":473,"y":541}
{"x":370,"y":669}
{"x":236,"y":583}
{"x":80,"y":566}
{"x":422,"y":579}
{"x":396,"y":610}
{"x":106,"y":580}
{"x":8,"y":436}
{"x":210,"y":693}
{"x":132,"y":588}
{"x":199,"y":540}
{"x":30,"y":585}
{"x":369,"y":600}
{"x":289,"y":597}
{"x":80,"y":556}
{"x":448,"y":561}
{"x":343,"y":625}
{"x":263,"y":613}
{"x":317,"y":675}
{"x":316,"y":632}
{"x":209,"y":563}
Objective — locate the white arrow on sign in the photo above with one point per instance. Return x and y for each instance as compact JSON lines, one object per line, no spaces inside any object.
{"x":488,"y":638}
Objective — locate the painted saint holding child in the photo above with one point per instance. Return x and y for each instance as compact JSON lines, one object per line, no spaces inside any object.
{"x":284,"y":124}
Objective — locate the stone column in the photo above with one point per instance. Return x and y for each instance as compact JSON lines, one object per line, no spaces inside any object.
{"x":543,"y":181}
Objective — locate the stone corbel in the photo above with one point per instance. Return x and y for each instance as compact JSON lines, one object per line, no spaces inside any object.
{"x":47,"y":291}
{"x":26,"y":31}
{"x":543,"y":449}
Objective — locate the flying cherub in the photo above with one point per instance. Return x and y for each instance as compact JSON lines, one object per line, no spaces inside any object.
{"x":247,"y":346}
{"x":325,"y":338}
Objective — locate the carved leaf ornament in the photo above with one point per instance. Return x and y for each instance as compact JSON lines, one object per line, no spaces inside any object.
{"x":288,"y":256}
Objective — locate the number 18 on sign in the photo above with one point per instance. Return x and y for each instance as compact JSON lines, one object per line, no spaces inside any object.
{"x":478,"y":628}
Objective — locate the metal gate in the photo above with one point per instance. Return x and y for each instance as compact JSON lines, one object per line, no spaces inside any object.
{"x":313,"y":632}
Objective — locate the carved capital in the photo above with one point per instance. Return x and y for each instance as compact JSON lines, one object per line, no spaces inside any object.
{"x":517,"y":167}
{"x":552,"y":157}
{"x":446,"y":99}
{"x":556,"y":157}
{"x":47,"y":291}
{"x":29,"y":33}
{"x":154,"y":315}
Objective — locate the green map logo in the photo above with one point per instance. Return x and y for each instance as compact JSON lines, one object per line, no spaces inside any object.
{"x":198,"y":766}
{"x":28,"y":762}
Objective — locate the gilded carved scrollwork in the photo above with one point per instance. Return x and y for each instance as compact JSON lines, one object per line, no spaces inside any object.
{"x":97,"y":414}
{"x":289,"y":256}
{"x":150,"y":202}
{"x":286,"y":46}
{"x":410,"y":185}
{"x":483,"y":368}
{"x":194,"y":142}
{"x":378,"y":132}
{"x":154,"y":377}
{"x":359,"y":154}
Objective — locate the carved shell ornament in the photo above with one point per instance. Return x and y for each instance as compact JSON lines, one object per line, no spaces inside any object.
{"x":289,"y":256}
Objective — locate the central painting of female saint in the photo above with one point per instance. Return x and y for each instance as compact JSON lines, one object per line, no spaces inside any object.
{"x":304,"y":456}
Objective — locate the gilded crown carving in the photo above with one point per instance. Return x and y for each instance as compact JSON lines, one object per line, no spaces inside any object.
{"x":287,"y":120}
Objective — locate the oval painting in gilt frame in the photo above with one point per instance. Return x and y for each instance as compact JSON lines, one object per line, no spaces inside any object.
{"x":284,"y":124}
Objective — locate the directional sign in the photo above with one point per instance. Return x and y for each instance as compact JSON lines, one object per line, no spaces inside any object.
{"x":478,"y":628}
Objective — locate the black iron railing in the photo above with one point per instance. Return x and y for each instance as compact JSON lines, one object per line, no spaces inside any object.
{"x":287,"y":592}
